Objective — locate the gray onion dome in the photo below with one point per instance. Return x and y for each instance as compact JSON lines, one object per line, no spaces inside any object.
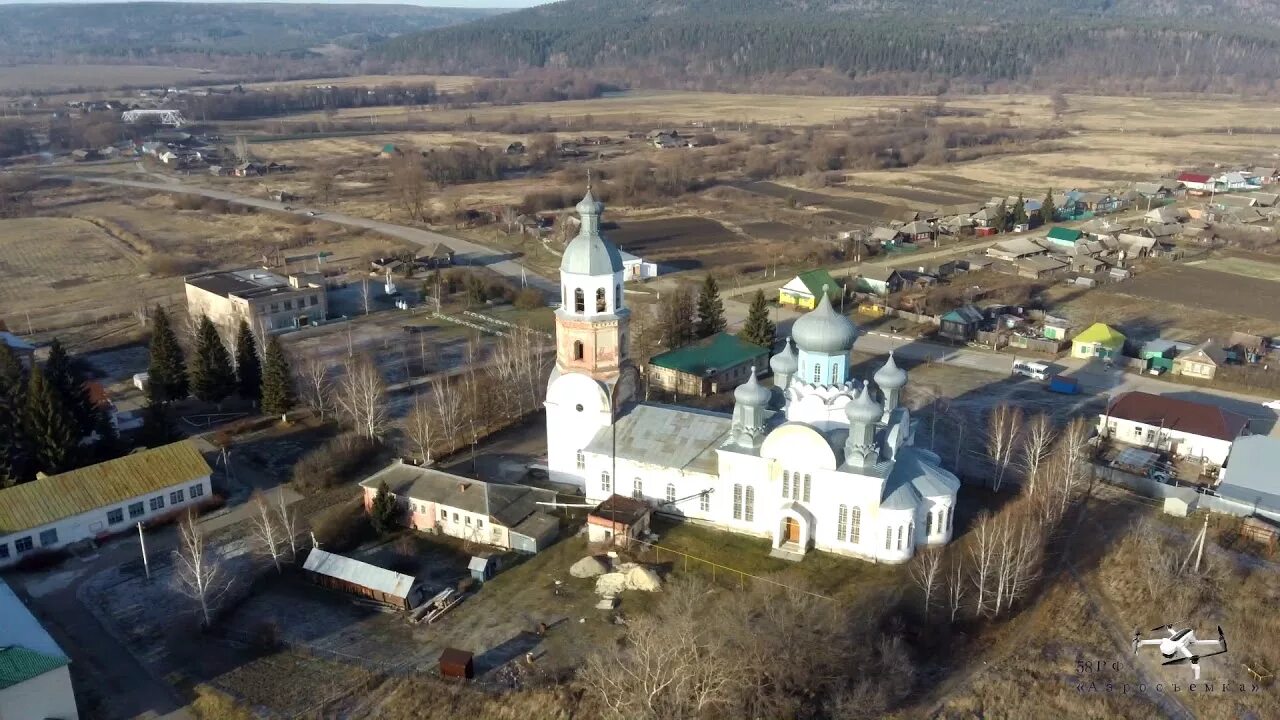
{"x":787,"y":361}
{"x":589,"y":253}
{"x":863,"y":409}
{"x":752,"y":393}
{"x":588,"y":205}
{"x":823,"y":330}
{"x":891,"y":377}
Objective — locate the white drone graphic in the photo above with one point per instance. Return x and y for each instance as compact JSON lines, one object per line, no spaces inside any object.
{"x":1179,"y":647}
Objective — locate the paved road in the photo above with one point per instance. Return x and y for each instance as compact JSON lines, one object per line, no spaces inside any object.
{"x":467,"y":251}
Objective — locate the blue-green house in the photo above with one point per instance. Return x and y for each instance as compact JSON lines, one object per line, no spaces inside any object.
{"x":1065,"y":238}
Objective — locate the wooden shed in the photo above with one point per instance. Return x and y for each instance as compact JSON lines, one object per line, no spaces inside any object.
{"x":360,"y":578}
{"x":1260,"y":529}
{"x":455,"y":663}
{"x":618,"y":520}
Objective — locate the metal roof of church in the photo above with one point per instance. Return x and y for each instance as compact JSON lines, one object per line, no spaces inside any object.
{"x":673,"y":437}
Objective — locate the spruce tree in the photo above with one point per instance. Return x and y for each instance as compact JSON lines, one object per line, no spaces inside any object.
{"x":1019,"y":214}
{"x":1000,"y":219}
{"x":51,"y":426}
{"x":212,"y":378}
{"x":1048,"y":213}
{"x":248,"y":367}
{"x":62,"y":374}
{"x":277,"y":380}
{"x":15,"y":464}
{"x":156,"y":428}
{"x":759,"y":329}
{"x":384,"y":514}
{"x":167,"y":372}
{"x":710,"y":309}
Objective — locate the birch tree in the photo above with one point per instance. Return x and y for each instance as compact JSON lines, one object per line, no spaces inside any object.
{"x":924,"y":571}
{"x":982,"y":554}
{"x":956,"y":584}
{"x":1036,"y":444}
{"x":449,"y":415}
{"x":288,"y":520}
{"x":198,"y":574}
{"x":315,"y":385}
{"x":520,"y":362}
{"x":267,"y":535}
{"x":420,"y":427}
{"x":361,"y":398}
{"x":1002,"y":439}
{"x":1070,"y":456}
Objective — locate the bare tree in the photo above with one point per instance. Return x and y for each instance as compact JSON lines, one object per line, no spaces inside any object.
{"x":449,"y":410}
{"x":1002,"y":439}
{"x":409,"y":184}
{"x":420,"y":427}
{"x":266,"y":533}
{"x":956,"y":584}
{"x":315,"y":384}
{"x":322,"y":183}
{"x":364,"y":294}
{"x":288,"y":520}
{"x":197,"y":572}
{"x":924,"y":571}
{"x":1019,"y":542}
{"x":982,"y":554}
{"x":1070,"y":458}
{"x":242,"y":149}
{"x":508,"y":217}
{"x":520,"y":360}
{"x":361,"y":398}
{"x":1036,"y":444}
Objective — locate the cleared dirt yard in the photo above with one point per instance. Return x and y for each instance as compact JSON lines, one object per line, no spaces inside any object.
{"x":1269,"y":271}
{"x":1195,"y":287}
{"x":684,"y":242}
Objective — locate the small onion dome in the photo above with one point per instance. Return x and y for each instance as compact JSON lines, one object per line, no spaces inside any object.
{"x":863,"y":409}
{"x":891,"y":377}
{"x":588,"y":205}
{"x":823,"y":330}
{"x":589,"y":253}
{"x":787,"y":361}
{"x":752,"y":393}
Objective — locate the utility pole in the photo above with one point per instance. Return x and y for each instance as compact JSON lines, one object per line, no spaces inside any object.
{"x":146,"y":565}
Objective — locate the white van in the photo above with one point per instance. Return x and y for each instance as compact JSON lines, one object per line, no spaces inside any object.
{"x":1033,"y":370}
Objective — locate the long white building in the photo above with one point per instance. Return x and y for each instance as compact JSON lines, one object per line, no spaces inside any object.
{"x":99,"y":500}
{"x":820,"y":461}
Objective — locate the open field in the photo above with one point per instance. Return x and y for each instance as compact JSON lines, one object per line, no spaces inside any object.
{"x":1241,"y":266}
{"x":1244,"y":296}
{"x":680,"y":242}
{"x":443,"y":83}
{"x":15,"y":78}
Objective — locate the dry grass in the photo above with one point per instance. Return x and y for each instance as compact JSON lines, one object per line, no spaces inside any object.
{"x":444,"y":83}
{"x":289,"y":682}
{"x":61,"y":77}
{"x":1242,"y":266}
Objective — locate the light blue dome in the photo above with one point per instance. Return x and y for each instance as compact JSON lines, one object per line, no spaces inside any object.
{"x":823,"y":330}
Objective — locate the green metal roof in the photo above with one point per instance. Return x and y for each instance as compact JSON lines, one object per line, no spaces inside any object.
{"x":719,"y":351}
{"x":1065,"y":234}
{"x":815,"y":280}
{"x":18,"y":665}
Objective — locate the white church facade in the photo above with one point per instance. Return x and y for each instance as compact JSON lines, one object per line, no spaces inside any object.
{"x":818,"y":462}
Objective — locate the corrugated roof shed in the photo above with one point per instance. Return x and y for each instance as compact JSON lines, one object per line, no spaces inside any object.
{"x":359,"y":573}
{"x":717,"y":352}
{"x":1251,"y":471}
{"x":53,"y":498}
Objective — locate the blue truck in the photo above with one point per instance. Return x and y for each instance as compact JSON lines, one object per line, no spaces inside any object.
{"x":1064,"y":385}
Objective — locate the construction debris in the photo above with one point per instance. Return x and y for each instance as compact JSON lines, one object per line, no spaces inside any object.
{"x":588,"y":567}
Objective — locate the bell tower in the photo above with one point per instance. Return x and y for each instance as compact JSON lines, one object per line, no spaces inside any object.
{"x":593,"y":377}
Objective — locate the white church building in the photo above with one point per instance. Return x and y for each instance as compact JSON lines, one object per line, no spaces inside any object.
{"x":820,"y":461}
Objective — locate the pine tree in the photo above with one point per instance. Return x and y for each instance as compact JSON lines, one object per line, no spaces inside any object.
{"x":62,"y":374}
{"x":156,"y":428}
{"x":759,"y":329}
{"x":1048,"y":213}
{"x":1000,"y":217}
{"x":51,"y":426}
{"x":675,"y":318}
{"x":248,"y":367}
{"x":167,"y":372}
{"x":277,"y":380}
{"x":212,"y":378}
{"x":1019,"y":214}
{"x":15,"y":462}
{"x":383,"y":512}
{"x":710,"y":309}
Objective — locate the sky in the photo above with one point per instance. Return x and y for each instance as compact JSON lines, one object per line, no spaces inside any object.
{"x":430,"y":3}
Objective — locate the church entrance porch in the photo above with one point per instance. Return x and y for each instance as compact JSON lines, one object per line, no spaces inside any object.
{"x":793,"y":532}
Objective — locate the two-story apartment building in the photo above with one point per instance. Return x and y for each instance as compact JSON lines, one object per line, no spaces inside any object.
{"x":498,"y":514}
{"x":52,"y":512}
{"x":1180,"y":427}
{"x":266,"y":300}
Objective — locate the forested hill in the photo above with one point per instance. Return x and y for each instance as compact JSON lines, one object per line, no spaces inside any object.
{"x":1161,"y":44}
{"x":157,"y":30}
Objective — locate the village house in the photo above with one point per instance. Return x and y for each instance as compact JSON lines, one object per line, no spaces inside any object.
{"x":1264,"y":199}
{"x":1163,"y":215}
{"x":1250,"y":476}
{"x":804,"y":289}
{"x":1180,"y":427}
{"x":1196,"y":183}
{"x":52,"y":512}
{"x":637,"y":268}
{"x":1201,"y":361}
{"x":1065,"y":238}
{"x":497,"y":514}
{"x":918,"y":231}
{"x":440,"y":256}
{"x":35,"y":678}
{"x":1265,"y":175}
{"x":1154,"y":190}
{"x":960,"y":324}
{"x":706,"y":367}
{"x":878,"y":280}
{"x":886,"y":235}
{"x":1236,"y":180}
{"x":1098,"y":341}
{"x":261,"y":298}
{"x":1016,"y":249}
{"x":1244,"y":348}
{"x":1034,"y":268}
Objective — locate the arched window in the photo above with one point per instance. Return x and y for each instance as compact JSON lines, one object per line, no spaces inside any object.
{"x":950,"y":516}
{"x":704,"y":501}
{"x":899,"y":537}
{"x":579,"y":301}
{"x":786,"y":483}
{"x":600,"y":303}
{"x":637,"y":489}
{"x":737,"y":502}
{"x":888,"y":538}
{"x":617,"y":297}
{"x":749,"y":513}
{"x":835,"y":373}
{"x":806,"y":487}
{"x":817,"y":372}
{"x":606,"y":483}
{"x":842,"y":523}
{"x":582,"y":460}
{"x":671,"y":493}
{"x":577,"y":350}
{"x":622,"y":345}
{"x":928,"y":523}
{"x":855,"y":525}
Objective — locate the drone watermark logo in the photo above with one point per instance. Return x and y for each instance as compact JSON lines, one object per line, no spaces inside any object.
{"x":1177,"y":646}
{"x":1180,"y":647}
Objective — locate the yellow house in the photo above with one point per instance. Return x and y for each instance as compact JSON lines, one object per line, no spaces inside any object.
{"x":804,"y":289}
{"x":1097,"y":341}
